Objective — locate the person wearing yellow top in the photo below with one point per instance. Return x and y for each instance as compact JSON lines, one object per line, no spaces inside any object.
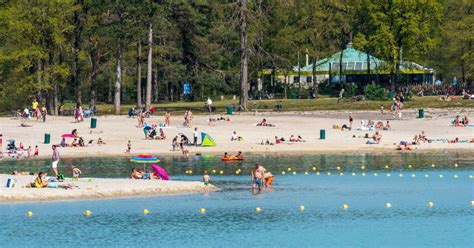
{"x":40,"y":182}
{"x":35,"y":104}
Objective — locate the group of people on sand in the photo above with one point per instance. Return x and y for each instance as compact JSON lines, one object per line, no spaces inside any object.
{"x":21,"y":151}
{"x":293,"y":138}
{"x":461,"y":122}
{"x":261,"y":178}
{"x":178,"y":143}
{"x":140,"y":174}
{"x":212,"y":120}
{"x":151,"y":133}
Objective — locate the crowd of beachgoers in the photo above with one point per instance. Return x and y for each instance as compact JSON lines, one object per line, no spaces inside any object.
{"x":372,"y":132}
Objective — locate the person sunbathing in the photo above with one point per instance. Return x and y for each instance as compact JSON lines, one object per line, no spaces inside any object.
{"x":63,"y":143}
{"x":264,"y":123}
{"x":416,"y":140}
{"x":279,"y":140}
{"x":456,"y":140}
{"x":162,"y":135}
{"x":74,"y":143}
{"x":100,"y":141}
{"x":300,"y":139}
{"x":377,"y":137}
{"x":404,"y":146}
{"x":465,"y":121}
{"x":40,"y":181}
{"x":457,"y":122}
{"x":136,"y":174}
{"x":387,"y":126}
{"x":75,"y":133}
{"x":293,"y":139}
{"x":379,"y":125}
{"x":235,"y":137}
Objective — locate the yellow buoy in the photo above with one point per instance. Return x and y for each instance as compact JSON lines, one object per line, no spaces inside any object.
{"x":289,"y":169}
{"x":400,"y":175}
{"x":388,"y":174}
{"x":317,"y":173}
{"x":257,"y":209}
{"x":190,"y":172}
{"x":409,"y":166}
{"x":283,"y":173}
{"x":301,"y":208}
{"x":87,"y":213}
{"x":433,"y":165}
{"x":375,"y":174}
{"x":294,"y":172}
{"x":341,"y":174}
{"x":472,"y":203}
{"x":345,"y":206}
{"x":353,"y":174}
{"x":471,"y":177}
{"x":362,"y":167}
{"x":213,"y":171}
{"x":413,"y":175}
{"x":386,"y":166}
{"x":305,"y":173}
{"x":456,"y":165}
{"x":29,"y":213}
{"x":329,"y":173}
{"x":388,"y":205}
{"x":221,"y":172}
{"x":430,"y":204}
{"x":426,"y":175}
{"x":338,"y":168}
{"x":455,"y":176}
{"x":441,"y":176}
{"x":363,"y":174}
{"x":237,"y":172}
{"x":314,"y":168}
{"x":202,"y":210}
{"x":145,"y":211}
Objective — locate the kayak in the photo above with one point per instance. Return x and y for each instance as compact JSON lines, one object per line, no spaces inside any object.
{"x":232,"y":159}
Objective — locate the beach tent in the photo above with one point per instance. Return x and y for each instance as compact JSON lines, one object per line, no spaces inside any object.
{"x":207,"y":140}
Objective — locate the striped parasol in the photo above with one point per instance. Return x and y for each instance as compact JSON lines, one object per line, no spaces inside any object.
{"x":145,"y":159}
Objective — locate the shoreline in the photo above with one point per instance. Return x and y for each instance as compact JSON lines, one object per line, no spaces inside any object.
{"x":96,"y":188}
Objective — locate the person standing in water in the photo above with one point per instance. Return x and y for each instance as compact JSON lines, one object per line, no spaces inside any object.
{"x":55,"y":160}
{"x":258,"y":177}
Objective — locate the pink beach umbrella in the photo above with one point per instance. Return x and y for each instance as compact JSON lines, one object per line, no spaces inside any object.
{"x":160,"y":171}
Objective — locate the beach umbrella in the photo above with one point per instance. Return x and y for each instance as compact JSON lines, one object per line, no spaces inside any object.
{"x":67,"y":135}
{"x":145,"y":159}
{"x":160,"y":171}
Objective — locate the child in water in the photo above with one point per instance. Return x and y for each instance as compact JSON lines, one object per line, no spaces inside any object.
{"x":206,"y":178}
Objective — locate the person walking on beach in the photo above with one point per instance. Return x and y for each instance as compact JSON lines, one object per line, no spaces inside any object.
{"x":195,"y":136}
{"x":167,"y":119}
{"x":55,"y":160}
{"x":129,"y":146}
{"x":350,"y":120}
{"x":341,"y":95}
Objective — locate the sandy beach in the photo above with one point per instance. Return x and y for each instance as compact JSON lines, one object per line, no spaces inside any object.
{"x":117,"y":130}
{"x":93,"y":188}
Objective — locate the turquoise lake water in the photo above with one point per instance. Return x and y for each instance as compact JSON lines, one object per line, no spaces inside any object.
{"x":231,"y":219}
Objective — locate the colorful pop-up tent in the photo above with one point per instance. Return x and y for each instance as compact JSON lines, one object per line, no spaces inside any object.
{"x":207,"y":140}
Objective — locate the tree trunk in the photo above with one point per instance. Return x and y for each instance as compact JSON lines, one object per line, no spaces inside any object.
{"x":94,"y":57}
{"x":139,"y":73}
{"x":77,"y":49}
{"x":149,"y":65}
{"x":299,"y":76}
{"x":243,"y":55}
{"x":315,"y":78}
{"x":340,"y":67}
{"x":156,"y":83}
{"x":118,"y":81}
{"x":110,"y":93}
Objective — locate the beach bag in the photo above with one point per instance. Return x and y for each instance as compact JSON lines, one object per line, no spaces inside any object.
{"x":60,"y":177}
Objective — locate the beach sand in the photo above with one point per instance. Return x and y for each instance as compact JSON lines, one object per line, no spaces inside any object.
{"x":117,"y":130}
{"x":92,"y":188}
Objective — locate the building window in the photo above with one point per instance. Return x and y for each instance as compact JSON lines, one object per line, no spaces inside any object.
{"x":364,"y":67}
{"x":344,"y":66}
{"x":309,"y":79}
{"x":335,"y":67}
{"x":358,"y":66}
{"x":296,"y":79}
{"x":350,"y":66}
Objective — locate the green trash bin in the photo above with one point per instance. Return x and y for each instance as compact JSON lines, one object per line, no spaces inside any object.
{"x":47,"y":138}
{"x":421,"y":113}
{"x":322,"y":134}
{"x":230,"y":109}
{"x":93,"y":122}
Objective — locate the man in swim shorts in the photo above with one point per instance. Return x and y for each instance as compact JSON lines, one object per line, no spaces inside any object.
{"x":55,"y":160}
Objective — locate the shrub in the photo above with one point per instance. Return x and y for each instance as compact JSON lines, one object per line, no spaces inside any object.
{"x":375,"y":92}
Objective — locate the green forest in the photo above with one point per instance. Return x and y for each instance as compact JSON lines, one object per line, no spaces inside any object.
{"x":144,"y":51}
